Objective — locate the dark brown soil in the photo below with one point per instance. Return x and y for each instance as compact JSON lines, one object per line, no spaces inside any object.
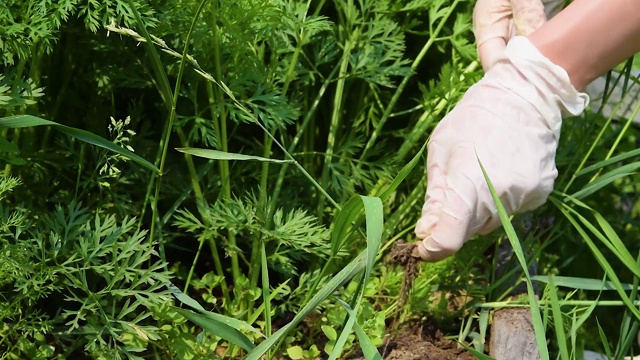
{"x":402,"y":254}
{"x":421,"y":342}
{"x":424,"y":342}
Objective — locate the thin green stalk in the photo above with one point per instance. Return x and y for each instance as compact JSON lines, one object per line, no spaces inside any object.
{"x":518,"y":304}
{"x":254,"y":270}
{"x":299,"y":134}
{"x":266,"y":293}
{"x":220,"y":127}
{"x":172,"y":114}
{"x":428,"y":117}
{"x":414,"y":66}
{"x":618,"y":139}
{"x":594,"y":144}
{"x":335,"y":123}
{"x":16,"y":132}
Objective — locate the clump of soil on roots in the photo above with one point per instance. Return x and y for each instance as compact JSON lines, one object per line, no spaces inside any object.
{"x":421,"y":341}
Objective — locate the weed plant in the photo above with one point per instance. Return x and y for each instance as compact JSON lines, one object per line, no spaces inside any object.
{"x":216,"y":178}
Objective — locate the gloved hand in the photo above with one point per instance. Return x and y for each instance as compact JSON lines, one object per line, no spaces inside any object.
{"x":497,"y":21}
{"x":510,"y":121}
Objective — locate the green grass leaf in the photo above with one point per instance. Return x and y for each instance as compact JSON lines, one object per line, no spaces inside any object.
{"x":476,"y":353}
{"x":228,"y":321}
{"x":374,"y":221}
{"x":557,"y":320}
{"x":218,"y":328}
{"x":403,"y":173}
{"x":599,"y":165}
{"x":538,"y":325}
{"x":608,"y":269}
{"x":222,"y":155}
{"x":346,"y":274}
{"x":369,"y":350}
{"x":580,"y":283}
{"x":23,"y":121}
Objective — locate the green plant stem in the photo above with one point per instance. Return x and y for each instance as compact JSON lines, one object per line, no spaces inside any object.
{"x":16,"y":132}
{"x":169,"y":126}
{"x":334,"y":125}
{"x":220,"y":126}
{"x":618,"y":139}
{"x":203,"y":209}
{"x":594,"y":143}
{"x":259,"y":246}
{"x":299,"y":134}
{"x":518,"y":304}
{"x":429,"y":116}
{"x":396,"y":96}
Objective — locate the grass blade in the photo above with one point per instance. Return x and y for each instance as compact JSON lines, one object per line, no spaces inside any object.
{"x":346,"y":274}
{"x":23,"y":121}
{"x":580,"y":283}
{"x":611,"y":274}
{"x":612,"y":242}
{"x":599,"y":165}
{"x":403,"y":173}
{"x":222,"y":155}
{"x":369,"y":350}
{"x":374,"y":222}
{"x":218,"y":328}
{"x":192,"y":303}
{"x":557,"y":321}
{"x":538,"y":325}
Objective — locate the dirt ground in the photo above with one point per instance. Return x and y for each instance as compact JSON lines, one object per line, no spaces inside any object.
{"x":419,"y":341}
{"x":423,"y":343}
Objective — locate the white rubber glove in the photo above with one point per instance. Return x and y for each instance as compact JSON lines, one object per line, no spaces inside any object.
{"x":510,"y":120}
{"x":497,"y":21}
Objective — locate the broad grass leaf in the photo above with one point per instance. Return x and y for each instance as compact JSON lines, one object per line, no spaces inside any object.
{"x":476,"y":353}
{"x":558,"y":321}
{"x":598,"y":184}
{"x":613,"y":160}
{"x":611,"y":274}
{"x":222,"y":155}
{"x":611,"y":240}
{"x":402,"y":174}
{"x":580,"y":283}
{"x":605,"y":341}
{"x":218,"y":328}
{"x":375,"y":225}
{"x":23,"y":121}
{"x":348,"y":214}
{"x":346,"y":274}
{"x":192,"y":303}
{"x":538,"y":325}
{"x":374,"y":221}
{"x":342,"y":225}
{"x":369,"y":350}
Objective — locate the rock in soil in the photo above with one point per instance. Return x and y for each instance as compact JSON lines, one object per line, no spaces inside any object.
{"x":511,"y":329}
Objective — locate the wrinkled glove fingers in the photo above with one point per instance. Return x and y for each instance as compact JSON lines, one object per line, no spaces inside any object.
{"x":450,"y":204}
{"x":528,"y":15}
{"x":447,"y":220}
{"x":491,"y":27}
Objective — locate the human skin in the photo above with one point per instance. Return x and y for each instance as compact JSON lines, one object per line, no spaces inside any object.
{"x":589,"y":37}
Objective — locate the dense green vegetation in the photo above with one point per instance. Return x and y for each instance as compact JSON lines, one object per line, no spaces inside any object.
{"x":196,"y":178}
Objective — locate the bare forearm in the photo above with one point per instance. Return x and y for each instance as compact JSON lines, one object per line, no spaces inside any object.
{"x":590,"y":37}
